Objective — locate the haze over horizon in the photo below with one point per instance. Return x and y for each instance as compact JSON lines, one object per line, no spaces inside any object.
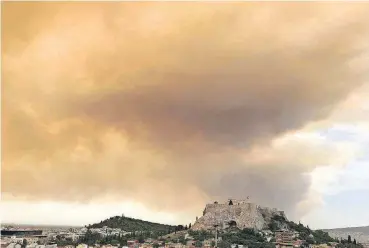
{"x":153,"y":109}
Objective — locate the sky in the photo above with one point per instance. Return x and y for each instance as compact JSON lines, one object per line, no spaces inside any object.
{"x":152,"y":109}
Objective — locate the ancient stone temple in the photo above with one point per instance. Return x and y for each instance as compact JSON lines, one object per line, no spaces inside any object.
{"x":238,"y":213}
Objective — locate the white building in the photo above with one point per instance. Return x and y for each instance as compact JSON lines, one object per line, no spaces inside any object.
{"x":51,"y":246}
{"x":239,"y":246}
{"x":14,"y":245}
{"x":31,"y":240}
{"x":31,"y":245}
{"x":14,"y":239}
{"x":72,"y":236}
{"x":109,"y":246}
{"x":82,"y":246}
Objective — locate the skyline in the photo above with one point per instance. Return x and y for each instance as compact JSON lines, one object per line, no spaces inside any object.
{"x":153,"y":109}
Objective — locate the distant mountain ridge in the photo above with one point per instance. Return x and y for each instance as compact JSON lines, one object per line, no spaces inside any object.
{"x":361,"y":233}
{"x":131,"y":224}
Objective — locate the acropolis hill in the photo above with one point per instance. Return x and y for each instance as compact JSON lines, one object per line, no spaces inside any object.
{"x":239,"y":213}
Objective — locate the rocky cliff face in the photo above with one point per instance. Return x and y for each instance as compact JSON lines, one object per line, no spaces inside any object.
{"x":241,"y":213}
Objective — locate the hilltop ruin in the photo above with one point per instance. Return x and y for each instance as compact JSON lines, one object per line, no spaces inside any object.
{"x":237,"y":213}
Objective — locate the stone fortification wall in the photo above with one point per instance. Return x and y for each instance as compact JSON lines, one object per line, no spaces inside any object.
{"x":242,"y":214}
{"x":268,"y":213}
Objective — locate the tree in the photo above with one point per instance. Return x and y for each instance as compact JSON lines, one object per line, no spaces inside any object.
{"x":182,"y":240}
{"x":224,"y":244}
{"x":269,"y":245}
{"x":309,"y":240}
{"x":24,"y":243}
{"x":354,"y":241}
{"x":123,"y":242}
{"x":198,"y":243}
{"x":349,"y":239}
{"x":213,"y":243}
{"x":230,"y":202}
{"x":141,"y":240}
{"x":189,"y":226}
{"x":114,"y":242}
{"x":273,"y":226}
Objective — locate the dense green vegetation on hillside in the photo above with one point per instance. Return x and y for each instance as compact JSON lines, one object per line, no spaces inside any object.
{"x":311,"y":236}
{"x":305,"y":233}
{"x":94,"y":238}
{"x":91,"y":238}
{"x":247,"y":237}
{"x":142,"y":230}
{"x":130,"y":224}
{"x":200,"y":235}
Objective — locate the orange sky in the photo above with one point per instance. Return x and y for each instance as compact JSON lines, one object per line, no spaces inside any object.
{"x":151,"y":102}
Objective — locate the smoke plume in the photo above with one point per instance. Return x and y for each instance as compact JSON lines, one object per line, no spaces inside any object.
{"x":174,"y":104}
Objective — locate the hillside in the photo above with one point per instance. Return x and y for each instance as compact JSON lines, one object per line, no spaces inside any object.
{"x":239,"y":213}
{"x":253,"y":225}
{"x":130,"y":224}
{"x":361,"y":234}
{"x":305,"y":233}
{"x":230,"y":233}
{"x":246,"y":223}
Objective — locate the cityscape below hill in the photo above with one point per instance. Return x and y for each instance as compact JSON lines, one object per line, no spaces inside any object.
{"x":232,"y":224}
